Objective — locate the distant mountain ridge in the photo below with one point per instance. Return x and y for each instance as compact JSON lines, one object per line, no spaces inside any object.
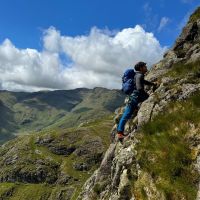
{"x":22,"y":112}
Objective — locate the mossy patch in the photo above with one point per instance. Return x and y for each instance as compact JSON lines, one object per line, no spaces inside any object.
{"x":6,"y":189}
{"x":31,"y":192}
{"x":99,"y":187}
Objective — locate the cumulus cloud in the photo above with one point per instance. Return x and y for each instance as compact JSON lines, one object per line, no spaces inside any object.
{"x":150,"y":17}
{"x":163,"y":22}
{"x":147,"y":7}
{"x":96,"y":59}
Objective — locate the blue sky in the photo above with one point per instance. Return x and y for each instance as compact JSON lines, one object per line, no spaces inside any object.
{"x":23,"y":21}
{"x":67,"y":44}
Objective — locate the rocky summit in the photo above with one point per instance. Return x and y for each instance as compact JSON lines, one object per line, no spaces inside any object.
{"x":159,"y":160}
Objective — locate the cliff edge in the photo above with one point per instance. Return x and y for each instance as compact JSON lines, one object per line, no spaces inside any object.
{"x":160,"y":160}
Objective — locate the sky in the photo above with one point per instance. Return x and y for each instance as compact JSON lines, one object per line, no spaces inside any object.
{"x":67,"y":44}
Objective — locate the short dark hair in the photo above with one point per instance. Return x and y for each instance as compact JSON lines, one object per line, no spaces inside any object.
{"x":138,"y":65}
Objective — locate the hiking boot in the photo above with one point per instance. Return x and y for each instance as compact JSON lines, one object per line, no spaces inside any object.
{"x":120,"y":136}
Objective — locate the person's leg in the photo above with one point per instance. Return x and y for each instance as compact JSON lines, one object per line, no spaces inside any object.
{"x":126,"y":115}
{"x":143,"y":96}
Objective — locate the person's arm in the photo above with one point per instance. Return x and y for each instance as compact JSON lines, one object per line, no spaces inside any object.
{"x":151,"y":84}
{"x":148,"y":83}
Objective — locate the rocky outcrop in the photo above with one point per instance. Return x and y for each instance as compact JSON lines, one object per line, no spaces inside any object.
{"x":25,"y":160}
{"x":54,"y":164}
{"x":120,"y":167}
{"x":121,"y":174}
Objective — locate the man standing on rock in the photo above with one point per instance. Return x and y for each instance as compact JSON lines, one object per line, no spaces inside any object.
{"x":137,"y":96}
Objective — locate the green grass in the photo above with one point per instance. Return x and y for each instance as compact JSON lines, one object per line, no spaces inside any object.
{"x":101,"y":127}
{"x":181,"y":70}
{"x":22,"y":191}
{"x":31,"y":192}
{"x":29,"y":152}
{"x":6,"y":189}
{"x":164,"y":150}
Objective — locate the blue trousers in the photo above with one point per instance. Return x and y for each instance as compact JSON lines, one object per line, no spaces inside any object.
{"x":130,"y":107}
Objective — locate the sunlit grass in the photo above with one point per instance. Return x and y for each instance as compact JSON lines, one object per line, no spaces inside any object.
{"x":164,"y":151}
{"x":182,"y":70}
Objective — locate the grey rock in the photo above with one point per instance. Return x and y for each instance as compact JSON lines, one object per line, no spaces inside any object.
{"x":145,"y":112}
{"x":100,"y":175}
{"x":188,"y":90}
{"x":65,"y":193}
{"x":64,"y":179}
{"x":124,"y":189}
{"x":44,"y":140}
{"x":62,"y":149}
{"x":81,"y":167}
{"x":194,"y":57}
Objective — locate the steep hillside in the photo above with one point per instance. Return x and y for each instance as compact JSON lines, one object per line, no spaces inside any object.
{"x":52,"y":164}
{"x":160,"y":159}
{"x":22,"y":112}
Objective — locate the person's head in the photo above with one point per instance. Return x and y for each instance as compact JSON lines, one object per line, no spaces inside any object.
{"x":141,"y":67}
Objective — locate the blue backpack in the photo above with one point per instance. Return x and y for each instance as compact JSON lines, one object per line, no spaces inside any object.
{"x":128,"y":83}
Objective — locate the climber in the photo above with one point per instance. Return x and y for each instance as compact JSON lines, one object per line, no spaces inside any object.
{"x":137,"y":96}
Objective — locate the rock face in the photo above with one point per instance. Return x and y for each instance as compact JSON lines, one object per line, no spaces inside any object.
{"x":123,"y":173}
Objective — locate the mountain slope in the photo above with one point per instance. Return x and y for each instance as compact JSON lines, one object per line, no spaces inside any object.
{"x":159,"y":160}
{"x":52,"y":164}
{"x":29,"y":112}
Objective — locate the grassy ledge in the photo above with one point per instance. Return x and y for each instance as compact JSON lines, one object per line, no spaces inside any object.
{"x":164,"y":150}
{"x":181,"y":70}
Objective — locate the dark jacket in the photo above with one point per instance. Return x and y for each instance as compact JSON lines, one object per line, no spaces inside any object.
{"x":139,"y":84}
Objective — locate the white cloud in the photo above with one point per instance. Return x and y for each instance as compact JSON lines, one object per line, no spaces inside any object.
{"x":163,"y":22}
{"x":184,"y":20}
{"x":151,"y":19}
{"x":96,"y":59}
{"x":147,"y":7}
